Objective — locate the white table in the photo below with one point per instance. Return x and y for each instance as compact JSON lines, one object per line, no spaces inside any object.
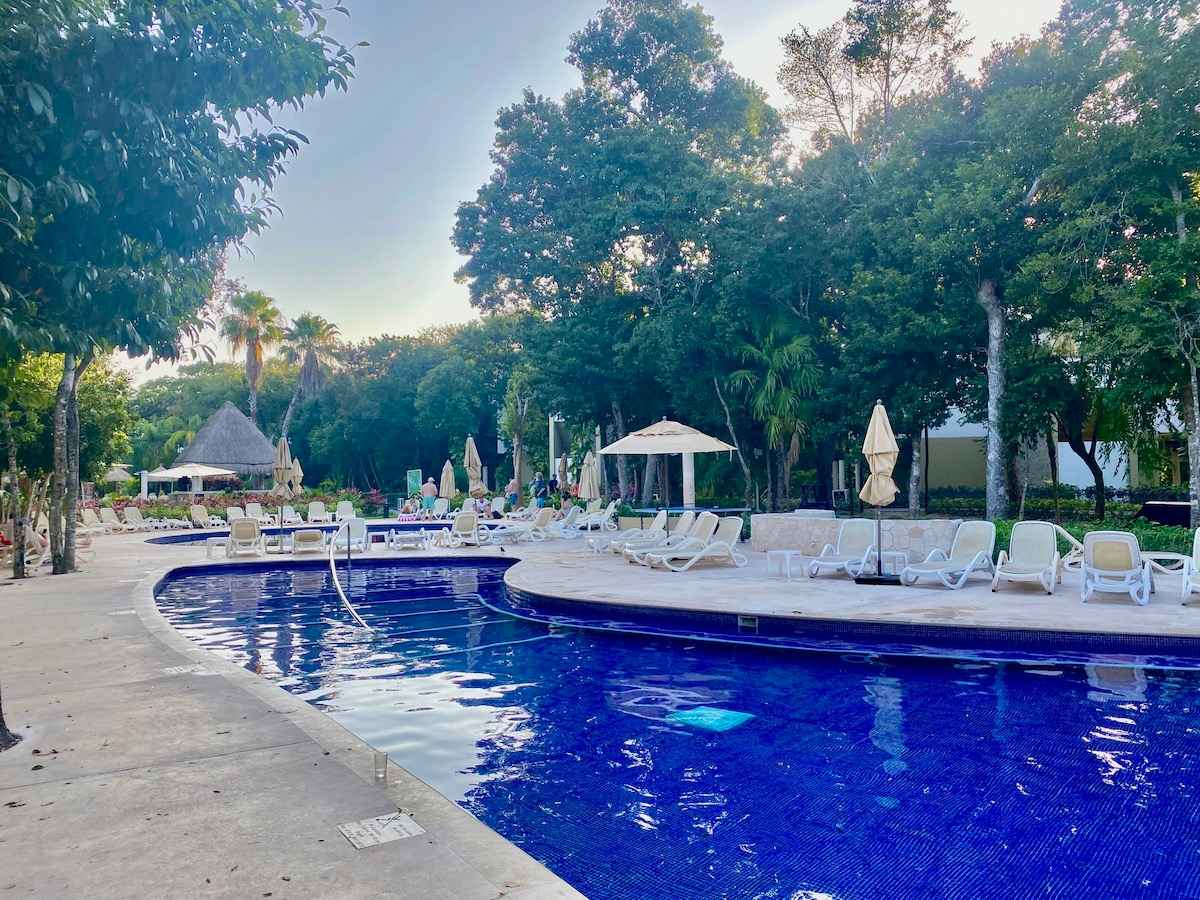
{"x":781,"y":561}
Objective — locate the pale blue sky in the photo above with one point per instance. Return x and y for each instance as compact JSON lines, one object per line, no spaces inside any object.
{"x":369,"y":205}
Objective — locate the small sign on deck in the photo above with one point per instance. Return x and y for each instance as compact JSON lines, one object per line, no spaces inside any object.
{"x":380,"y":830}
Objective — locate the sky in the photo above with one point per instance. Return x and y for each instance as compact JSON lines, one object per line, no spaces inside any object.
{"x":368,"y":205}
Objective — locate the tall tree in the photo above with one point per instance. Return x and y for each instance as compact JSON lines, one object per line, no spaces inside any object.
{"x":252,"y":325}
{"x":310,"y":342}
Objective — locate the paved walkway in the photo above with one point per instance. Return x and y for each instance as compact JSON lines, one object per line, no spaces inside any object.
{"x":135,"y":779}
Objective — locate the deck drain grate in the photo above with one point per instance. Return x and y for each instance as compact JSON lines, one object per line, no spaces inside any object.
{"x":710,"y":718}
{"x":380,"y":830}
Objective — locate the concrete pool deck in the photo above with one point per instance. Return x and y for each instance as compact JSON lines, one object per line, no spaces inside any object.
{"x":140,"y":776}
{"x":170,"y":780}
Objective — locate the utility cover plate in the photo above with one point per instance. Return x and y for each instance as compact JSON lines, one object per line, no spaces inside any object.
{"x":380,"y":830}
{"x":193,"y":669}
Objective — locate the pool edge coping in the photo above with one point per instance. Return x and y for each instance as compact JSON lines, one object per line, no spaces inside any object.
{"x":457,"y":829}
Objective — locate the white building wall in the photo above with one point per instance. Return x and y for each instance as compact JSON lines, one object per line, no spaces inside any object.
{"x":1073,"y":470}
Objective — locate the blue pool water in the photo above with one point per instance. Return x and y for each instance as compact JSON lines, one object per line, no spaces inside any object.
{"x":640,"y":767}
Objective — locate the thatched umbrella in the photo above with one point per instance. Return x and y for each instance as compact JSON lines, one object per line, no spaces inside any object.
{"x":447,"y":489}
{"x":118,"y":474}
{"x":229,"y":440}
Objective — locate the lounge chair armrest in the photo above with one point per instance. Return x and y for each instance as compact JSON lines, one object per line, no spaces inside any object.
{"x":1002,"y":558}
{"x":827,"y":550}
{"x":937,"y":554}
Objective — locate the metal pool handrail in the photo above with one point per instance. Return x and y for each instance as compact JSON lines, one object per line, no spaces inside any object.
{"x":337,"y":584}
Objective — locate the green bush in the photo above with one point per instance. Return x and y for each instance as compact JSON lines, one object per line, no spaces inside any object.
{"x":1152,"y":537}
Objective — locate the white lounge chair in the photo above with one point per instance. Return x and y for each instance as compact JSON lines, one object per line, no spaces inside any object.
{"x":245,"y":538}
{"x":567,"y":527}
{"x":289,"y":516}
{"x":678,"y":532}
{"x":601,"y":520}
{"x":656,"y":531}
{"x":308,"y":540}
{"x":971,"y":551}
{"x":855,"y":547}
{"x":701,"y":533}
{"x":1032,"y":555}
{"x":464,"y":531}
{"x":345,"y":511}
{"x":537,"y":529}
{"x":234,"y":512}
{"x":721,"y":547}
{"x":108,"y":516}
{"x":318,"y":513}
{"x":92,"y":521}
{"x":407,"y":539}
{"x":1113,"y":564}
{"x":441,"y":508}
{"x":355,"y":535}
{"x":138,"y":522}
{"x":255,"y":511}
{"x":1191,"y":571}
{"x":498,"y":504}
{"x":202,"y":518}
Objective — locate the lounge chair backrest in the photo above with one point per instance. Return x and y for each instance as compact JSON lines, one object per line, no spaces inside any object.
{"x":570,"y":517}
{"x":855,"y":537}
{"x":683,"y":525}
{"x":660,"y":521}
{"x":729,"y":530}
{"x":498,"y":504}
{"x":316,"y":508}
{"x":345,"y":510}
{"x":1111,"y":551}
{"x":466,"y":522}
{"x":89,"y":517}
{"x":441,"y":506}
{"x":544,"y":517}
{"x":234,"y":512}
{"x":254,"y":510}
{"x":357,"y":528}
{"x":1196,"y":548}
{"x":133,"y":516}
{"x":244,"y":529}
{"x":1032,"y":544}
{"x":199,"y":514}
{"x":308,"y":536}
{"x":289,"y":512}
{"x":705,"y":527}
{"x":593,"y":505}
{"x":972,"y":538}
{"x":109,"y":515}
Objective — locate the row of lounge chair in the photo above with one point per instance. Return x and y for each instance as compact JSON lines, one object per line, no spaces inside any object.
{"x":105,"y":519}
{"x":1108,"y":561}
{"x":691,"y":540}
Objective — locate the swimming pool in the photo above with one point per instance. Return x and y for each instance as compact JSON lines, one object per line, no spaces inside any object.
{"x":836,"y":775}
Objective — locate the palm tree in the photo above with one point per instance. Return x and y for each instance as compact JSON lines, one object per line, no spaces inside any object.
{"x":779,"y":374}
{"x":309,"y":342}
{"x":253,"y":324}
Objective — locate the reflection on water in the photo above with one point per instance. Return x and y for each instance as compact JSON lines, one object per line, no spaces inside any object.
{"x":858,"y":776}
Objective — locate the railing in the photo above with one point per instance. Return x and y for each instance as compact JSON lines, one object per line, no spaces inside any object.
{"x":337,"y":584}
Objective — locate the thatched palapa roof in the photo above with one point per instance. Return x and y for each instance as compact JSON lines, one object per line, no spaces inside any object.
{"x":229,"y":440}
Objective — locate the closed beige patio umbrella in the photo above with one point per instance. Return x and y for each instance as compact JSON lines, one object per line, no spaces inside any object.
{"x":297,"y":477}
{"x":589,"y":478}
{"x":282,"y":471}
{"x":563,"y":480}
{"x":881,"y":451}
{"x":475,"y":485}
{"x":447,"y":489}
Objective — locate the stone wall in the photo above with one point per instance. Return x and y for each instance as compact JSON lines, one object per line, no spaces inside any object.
{"x":784,"y":531}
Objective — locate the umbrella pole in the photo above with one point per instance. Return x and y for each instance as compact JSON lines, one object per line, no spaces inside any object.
{"x":878,"y":542}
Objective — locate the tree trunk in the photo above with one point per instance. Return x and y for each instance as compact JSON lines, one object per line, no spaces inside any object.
{"x":1192,"y":422}
{"x":1052,"y":453}
{"x":748,"y":489}
{"x":1088,"y":454}
{"x":997,"y":488}
{"x":783,"y":485}
{"x":58,"y":491}
{"x":252,"y":380}
{"x":287,"y":416}
{"x":914,"y":477}
{"x":649,"y":479}
{"x":518,"y":458}
{"x":771,"y":507}
{"x":14,"y":481}
{"x":619,"y":429}
{"x":72,"y":497}
{"x":7,"y":737}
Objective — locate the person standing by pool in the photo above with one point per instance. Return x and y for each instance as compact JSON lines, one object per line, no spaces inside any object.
{"x":428,"y":495}
{"x":512,"y":492}
{"x":538,"y":488}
